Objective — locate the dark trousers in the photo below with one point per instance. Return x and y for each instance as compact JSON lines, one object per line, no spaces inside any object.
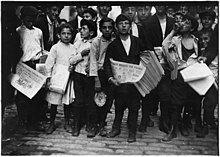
{"x":123,"y":101}
{"x":84,"y":103}
{"x":209,"y":104}
{"x":108,"y":89}
{"x":31,"y":110}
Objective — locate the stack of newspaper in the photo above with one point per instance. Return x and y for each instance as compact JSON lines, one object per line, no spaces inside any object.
{"x":152,"y":75}
{"x":199,"y":77}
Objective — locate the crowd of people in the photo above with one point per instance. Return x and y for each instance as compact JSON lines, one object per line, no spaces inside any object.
{"x":87,"y":43}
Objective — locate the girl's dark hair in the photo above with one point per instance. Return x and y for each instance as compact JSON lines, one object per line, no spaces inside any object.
{"x":66,"y":25}
{"x":106,"y":19}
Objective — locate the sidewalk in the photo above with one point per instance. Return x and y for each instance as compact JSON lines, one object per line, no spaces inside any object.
{"x":63,"y":143}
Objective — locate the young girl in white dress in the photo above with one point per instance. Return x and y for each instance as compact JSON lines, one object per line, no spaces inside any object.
{"x":59,"y":55}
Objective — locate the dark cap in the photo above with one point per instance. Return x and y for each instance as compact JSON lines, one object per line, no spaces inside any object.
{"x":29,"y":11}
{"x":193,"y":21}
{"x":212,"y":14}
{"x":91,"y":25}
{"x":122,"y":17}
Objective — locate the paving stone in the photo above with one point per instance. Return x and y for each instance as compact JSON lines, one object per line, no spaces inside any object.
{"x":128,"y":152}
{"x":210,"y":152}
{"x":50,"y":148}
{"x":95,"y":144}
{"x":150,"y":152}
{"x":163,"y":145}
{"x":81,"y":152}
{"x":192,"y":147}
{"x":99,"y":149}
{"x":68,"y":146}
{"x":190,"y":152}
{"x":150,"y":148}
{"x":41,"y":143}
{"x":36,"y":153}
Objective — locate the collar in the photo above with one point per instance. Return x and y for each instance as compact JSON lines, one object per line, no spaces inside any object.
{"x":24,"y":27}
{"x":105,"y":40}
{"x":87,"y":40}
{"x":49,"y":21}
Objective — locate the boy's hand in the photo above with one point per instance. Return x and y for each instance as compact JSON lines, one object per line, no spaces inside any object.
{"x":71,"y":68}
{"x":177,"y":26}
{"x":113,"y":81}
{"x":47,"y":84}
{"x":202,"y":59}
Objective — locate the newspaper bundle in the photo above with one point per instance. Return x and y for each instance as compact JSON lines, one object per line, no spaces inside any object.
{"x":199,"y":77}
{"x":27,"y":80}
{"x":152,"y":75}
{"x":59,"y":78}
{"x":126,"y":72}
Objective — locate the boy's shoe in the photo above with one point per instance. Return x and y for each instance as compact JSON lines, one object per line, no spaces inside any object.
{"x":51,"y":128}
{"x":91,"y":132}
{"x":142,"y":128}
{"x":131,"y":137}
{"x":184,"y":130}
{"x":113,"y":133}
{"x":172,"y":134}
{"x":103,"y":131}
{"x":204,"y":131}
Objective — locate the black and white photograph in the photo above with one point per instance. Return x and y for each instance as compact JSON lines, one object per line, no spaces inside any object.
{"x":109,"y":78}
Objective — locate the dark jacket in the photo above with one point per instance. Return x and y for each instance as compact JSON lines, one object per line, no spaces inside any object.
{"x":117,"y":52}
{"x":152,"y":32}
{"x":74,"y":25}
{"x":42,"y":23}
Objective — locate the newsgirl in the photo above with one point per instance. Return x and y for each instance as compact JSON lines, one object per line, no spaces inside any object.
{"x":59,"y":55}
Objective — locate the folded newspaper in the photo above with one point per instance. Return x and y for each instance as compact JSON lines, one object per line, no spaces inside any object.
{"x":59,"y":78}
{"x":126,"y":72}
{"x":27,"y":80}
{"x":199,"y":77}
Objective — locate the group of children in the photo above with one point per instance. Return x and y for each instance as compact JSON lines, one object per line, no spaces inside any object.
{"x":88,"y":61}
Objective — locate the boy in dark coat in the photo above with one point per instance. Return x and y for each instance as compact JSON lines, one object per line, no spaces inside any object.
{"x":125,"y":48}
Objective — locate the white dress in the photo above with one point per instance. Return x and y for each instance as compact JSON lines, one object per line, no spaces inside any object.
{"x":60,"y":54}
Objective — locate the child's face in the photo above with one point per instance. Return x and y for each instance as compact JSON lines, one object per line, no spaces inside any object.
{"x":81,"y":9}
{"x":178,"y":18}
{"x":104,"y":10}
{"x":143,"y":12}
{"x":54,"y":12}
{"x":28,"y":21}
{"x":205,"y":38}
{"x":107,"y":29}
{"x":85,"y":32}
{"x":184,"y":10}
{"x":124,"y":27}
{"x":130,"y":11}
{"x":207,"y":22}
{"x":66,"y":35}
{"x":87,"y":16}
